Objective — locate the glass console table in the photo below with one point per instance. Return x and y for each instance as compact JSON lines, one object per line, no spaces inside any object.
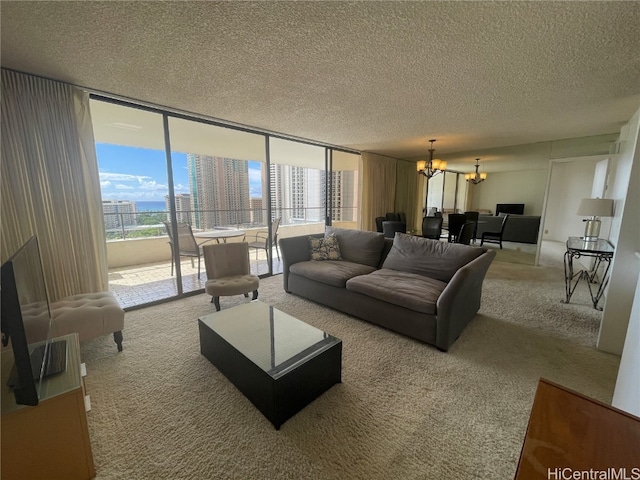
{"x":600,"y":250}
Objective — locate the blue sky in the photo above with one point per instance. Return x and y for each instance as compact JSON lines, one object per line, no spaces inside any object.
{"x":140,"y":174}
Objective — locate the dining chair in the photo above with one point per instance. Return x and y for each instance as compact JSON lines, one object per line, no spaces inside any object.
{"x":187,"y":245}
{"x":495,"y":237}
{"x":432,"y":227}
{"x":432,"y":211}
{"x":455,"y":222}
{"x":228,"y":271}
{"x":466,"y":233}
{"x":473,"y":217}
{"x":259,"y":240}
{"x":390,"y":228}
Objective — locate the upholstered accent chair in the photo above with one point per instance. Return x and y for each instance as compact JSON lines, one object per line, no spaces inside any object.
{"x":228,"y":271}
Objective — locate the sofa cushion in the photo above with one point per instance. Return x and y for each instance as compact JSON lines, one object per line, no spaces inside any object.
{"x":430,"y":258}
{"x":358,"y":246}
{"x":330,"y":272}
{"x":408,"y":290}
{"x":326,"y":248}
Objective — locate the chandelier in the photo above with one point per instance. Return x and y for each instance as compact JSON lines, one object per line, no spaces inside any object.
{"x":475,"y":178}
{"x":432,"y":167}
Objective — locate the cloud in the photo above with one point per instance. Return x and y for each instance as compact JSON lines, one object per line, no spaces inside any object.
{"x":122,"y":177}
{"x":120,"y":186}
{"x":104,"y":184}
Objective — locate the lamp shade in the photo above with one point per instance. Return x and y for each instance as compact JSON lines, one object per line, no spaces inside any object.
{"x":596,"y":207}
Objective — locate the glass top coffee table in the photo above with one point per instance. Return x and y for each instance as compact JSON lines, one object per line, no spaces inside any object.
{"x":278,"y":362}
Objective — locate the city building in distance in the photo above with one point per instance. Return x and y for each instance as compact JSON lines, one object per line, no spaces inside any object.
{"x":118,"y":213}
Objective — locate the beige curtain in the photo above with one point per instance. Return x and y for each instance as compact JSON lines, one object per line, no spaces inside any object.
{"x":378,"y":192}
{"x":50,"y":184}
{"x":408,"y":193}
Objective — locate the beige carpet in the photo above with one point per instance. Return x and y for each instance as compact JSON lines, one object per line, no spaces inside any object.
{"x":404,"y":409}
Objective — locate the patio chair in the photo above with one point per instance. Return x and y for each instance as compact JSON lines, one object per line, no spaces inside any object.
{"x":187,"y":245}
{"x":259,"y":241}
{"x":228,"y":271}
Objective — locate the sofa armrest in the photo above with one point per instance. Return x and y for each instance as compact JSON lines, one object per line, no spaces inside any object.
{"x":294,"y":250}
{"x":460,"y":300}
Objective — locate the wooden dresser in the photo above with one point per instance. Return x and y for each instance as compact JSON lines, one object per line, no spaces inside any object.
{"x":51,"y":440}
{"x":569,"y":432}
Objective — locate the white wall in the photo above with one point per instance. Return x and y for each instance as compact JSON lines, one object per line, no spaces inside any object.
{"x":625,"y":235}
{"x":526,"y":187}
{"x":570,"y":182}
{"x":627,"y":393}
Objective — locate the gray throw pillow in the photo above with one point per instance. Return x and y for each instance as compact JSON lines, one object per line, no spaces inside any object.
{"x":358,"y":246}
{"x":430,"y":258}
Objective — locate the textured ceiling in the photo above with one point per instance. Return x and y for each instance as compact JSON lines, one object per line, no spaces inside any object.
{"x":374,"y":76}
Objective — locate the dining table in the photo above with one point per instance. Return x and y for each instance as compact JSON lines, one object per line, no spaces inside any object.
{"x":218,"y":235}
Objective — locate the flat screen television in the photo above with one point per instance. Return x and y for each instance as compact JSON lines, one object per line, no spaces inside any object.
{"x":25,"y":303}
{"x":512,"y":208}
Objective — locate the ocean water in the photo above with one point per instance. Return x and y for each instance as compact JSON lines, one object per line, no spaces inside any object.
{"x":150,"y":207}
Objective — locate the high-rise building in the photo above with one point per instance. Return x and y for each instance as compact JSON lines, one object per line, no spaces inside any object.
{"x":344,"y":185}
{"x":118,"y":213}
{"x":257,"y":214}
{"x":297,"y":193}
{"x":183,"y":208}
{"x":219,"y":191}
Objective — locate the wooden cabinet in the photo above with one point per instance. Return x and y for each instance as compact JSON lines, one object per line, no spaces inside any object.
{"x":50,"y":440}
{"x":569,"y":432}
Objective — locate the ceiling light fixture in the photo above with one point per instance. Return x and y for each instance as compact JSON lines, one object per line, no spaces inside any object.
{"x":432,"y":167}
{"x":477,"y":177}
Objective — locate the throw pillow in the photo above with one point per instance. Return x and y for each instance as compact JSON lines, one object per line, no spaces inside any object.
{"x":326,"y":248}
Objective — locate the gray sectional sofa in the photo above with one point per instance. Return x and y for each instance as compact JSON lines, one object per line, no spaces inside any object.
{"x":425,"y":289}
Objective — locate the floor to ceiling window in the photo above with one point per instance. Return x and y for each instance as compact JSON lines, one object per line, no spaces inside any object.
{"x":447,"y":192}
{"x":218,"y":186}
{"x":344,"y":190}
{"x":160,"y":171}
{"x":134,"y":183}
{"x":297,"y":183}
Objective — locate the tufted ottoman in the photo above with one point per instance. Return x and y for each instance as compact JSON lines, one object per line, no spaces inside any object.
{"x":89,"y":315}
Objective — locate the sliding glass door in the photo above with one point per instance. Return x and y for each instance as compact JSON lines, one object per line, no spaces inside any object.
{"x":217,"y":187}
{"x":171,"y":184}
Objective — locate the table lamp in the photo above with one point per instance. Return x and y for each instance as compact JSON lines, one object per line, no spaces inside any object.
{"x":594,"y":208}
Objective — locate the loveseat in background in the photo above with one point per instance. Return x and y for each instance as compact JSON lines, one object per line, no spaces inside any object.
{"x":425,"y":289}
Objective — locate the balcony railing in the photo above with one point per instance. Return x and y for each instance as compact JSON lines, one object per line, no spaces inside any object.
{"x":130,"y":225}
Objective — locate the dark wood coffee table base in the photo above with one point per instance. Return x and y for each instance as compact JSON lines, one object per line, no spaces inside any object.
{"x":277,"y":398}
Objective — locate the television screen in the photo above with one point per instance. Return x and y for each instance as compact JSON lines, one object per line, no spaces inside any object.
{"x":512,"y":208}
{"x":25,"y":319}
